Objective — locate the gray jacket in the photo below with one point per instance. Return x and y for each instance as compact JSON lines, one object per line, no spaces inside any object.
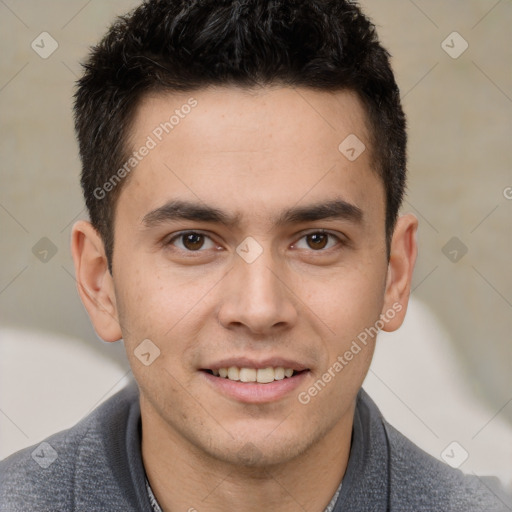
{"x":97,"y":466}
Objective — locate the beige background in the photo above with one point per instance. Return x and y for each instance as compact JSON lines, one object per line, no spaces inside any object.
{"x":460,"y":117}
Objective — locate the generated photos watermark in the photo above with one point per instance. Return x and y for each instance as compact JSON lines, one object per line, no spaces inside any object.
{"x":344,"y":359}
{"x":152,"y":141}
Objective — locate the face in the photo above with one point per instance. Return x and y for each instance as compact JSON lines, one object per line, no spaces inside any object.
{"x":247,"y":243}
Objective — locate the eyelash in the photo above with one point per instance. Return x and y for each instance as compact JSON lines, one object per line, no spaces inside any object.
{"x":180,"y":235}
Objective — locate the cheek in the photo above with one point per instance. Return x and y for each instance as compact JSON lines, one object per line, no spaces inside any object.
{"x":349,"y":305}
{"x":161,"y":306}
{"x":347,"y":302}
{"x":150,"y":314}
{"x":143,"y":304}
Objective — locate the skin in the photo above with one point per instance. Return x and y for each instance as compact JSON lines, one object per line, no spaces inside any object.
{"x":255,"y":154}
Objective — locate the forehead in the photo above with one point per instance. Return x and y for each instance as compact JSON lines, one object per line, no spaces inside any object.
{"x":252,"y":149}
{"x":225,"y":115}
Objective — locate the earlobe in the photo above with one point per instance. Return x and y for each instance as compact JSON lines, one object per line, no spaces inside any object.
{"x":94,"y":281}
{"x":403,"y":254}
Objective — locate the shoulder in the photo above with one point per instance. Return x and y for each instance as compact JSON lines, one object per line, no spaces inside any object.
{"x":69,"y":466}
{"x":420,"y":482}
{"x":417,"y":476}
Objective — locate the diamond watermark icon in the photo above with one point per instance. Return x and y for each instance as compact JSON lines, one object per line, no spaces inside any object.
{"x":146,"y":352}
{"x":44,"y":45}
{"x":249,"y":454}
{"x":352,"y":147}
{"x":44,"y":250}
{"x":455,"y":249}
{"x":454,"y":45}
{"x":249,"y":250}
{"x":45,"y":455}
{"x":454,"y":455}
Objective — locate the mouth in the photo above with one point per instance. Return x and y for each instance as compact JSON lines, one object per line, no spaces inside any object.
{"x":254,"y":375}
{"x":255,"y":383}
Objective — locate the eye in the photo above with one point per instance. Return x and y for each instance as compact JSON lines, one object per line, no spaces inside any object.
{"x":191,"y":241}
{"x":318,"y":241}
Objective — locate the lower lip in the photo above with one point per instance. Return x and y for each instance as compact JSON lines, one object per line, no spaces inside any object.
{"x":254,"y":392}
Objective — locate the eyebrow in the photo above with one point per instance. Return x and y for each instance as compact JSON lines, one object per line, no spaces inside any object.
{"x":186,"y":210}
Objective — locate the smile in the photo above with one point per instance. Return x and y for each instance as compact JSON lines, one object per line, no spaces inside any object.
{"x":255,"y":385}
{"x":259,"y":375}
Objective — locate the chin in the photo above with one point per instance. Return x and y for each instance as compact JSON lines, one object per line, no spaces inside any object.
{"x":263,"y":450}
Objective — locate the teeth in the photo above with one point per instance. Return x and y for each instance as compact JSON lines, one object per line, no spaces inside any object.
{"x":261,"y":375}
{"x":233,"y":373}
{"x":279,"y":373}
{"x":247,"y":375}
{"x":265,"y":375}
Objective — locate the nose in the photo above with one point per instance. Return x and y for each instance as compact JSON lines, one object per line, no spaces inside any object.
{"x":257,"y":298}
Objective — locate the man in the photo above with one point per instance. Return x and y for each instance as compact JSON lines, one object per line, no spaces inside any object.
{"x":243,"y":168}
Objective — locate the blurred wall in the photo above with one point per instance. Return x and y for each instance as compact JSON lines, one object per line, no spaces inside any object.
{"x":459,"y":106}
{"x":457,"y":93}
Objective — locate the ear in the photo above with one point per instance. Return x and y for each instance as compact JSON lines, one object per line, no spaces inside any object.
{"x":403,"y":254}
{"x":94,"y":281}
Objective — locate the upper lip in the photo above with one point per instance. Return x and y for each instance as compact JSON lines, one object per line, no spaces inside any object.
{"x":245,"y":362}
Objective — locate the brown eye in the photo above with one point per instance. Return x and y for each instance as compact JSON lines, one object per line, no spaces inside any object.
{"x":193,"y":241}
{"x":317,"y":240}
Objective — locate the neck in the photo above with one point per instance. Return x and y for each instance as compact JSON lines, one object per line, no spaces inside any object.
{"x":183,"y":477}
